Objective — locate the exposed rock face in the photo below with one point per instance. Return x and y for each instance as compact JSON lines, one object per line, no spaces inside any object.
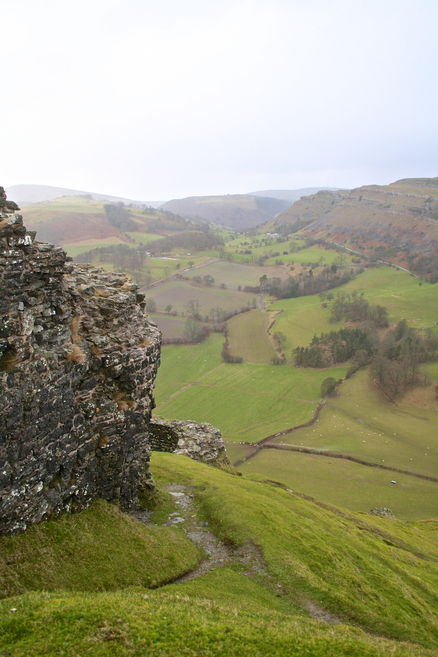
{"x":77,"y":365}
{"x":201,"y":442}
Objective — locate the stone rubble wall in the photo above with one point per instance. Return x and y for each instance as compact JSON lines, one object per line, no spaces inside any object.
{"x":78,"y":360}
{"x":199,"y":441}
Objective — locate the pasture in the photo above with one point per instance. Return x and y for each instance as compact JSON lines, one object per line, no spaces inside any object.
{"x":76,"y":248}
{"x":171,"y":327}
{"x":248,"y":337}
{"x":313,"y":255}
{"x":360,"y":422}
{"x":179,"y":293}
{"x":347,"y":484}
{"x":234,"y":275}
{"x":246,"y":401}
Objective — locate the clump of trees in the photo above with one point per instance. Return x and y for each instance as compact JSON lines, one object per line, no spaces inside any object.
{"x":426,"y":266}
{"x":193,"y":240}
{"x":120,"y":217}
{"x":328,"y":387}
{"x":395,"y":359}
{"x":334,"y":347}
{"x":194,"y":331}
{"x":309,"y":282}
{"x":355,"y":308}
{"x":396,"y":365}
{"x":123,"y":257}
{"x":206,"y":280}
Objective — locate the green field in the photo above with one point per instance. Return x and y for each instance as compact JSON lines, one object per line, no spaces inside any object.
{"x":98,"y":549}
{"x":234,"y":274}
{"x":194,"y":383}
{"x":77,"y":248}
{"x":356,"y":422}
{"x":347,"y":484}
{"x":248,"y":337}
{"x":179,"y":293}
{"x":360,"y":422}
{"x":144,"y":238}
{"x":311,"y":256}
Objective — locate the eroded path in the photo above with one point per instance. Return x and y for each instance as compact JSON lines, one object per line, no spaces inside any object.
{"x":219,"y":554}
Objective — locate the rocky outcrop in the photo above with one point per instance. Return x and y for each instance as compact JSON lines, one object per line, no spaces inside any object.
{"x":78,"y":360}
{"x":199,"y":441}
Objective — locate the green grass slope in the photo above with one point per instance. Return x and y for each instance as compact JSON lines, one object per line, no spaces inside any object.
{"x":179,"y":293}
{"x":378,"y":577}
{"x":382,"y":579}
{"x":359,"y":421}
{"x":98,"y":549}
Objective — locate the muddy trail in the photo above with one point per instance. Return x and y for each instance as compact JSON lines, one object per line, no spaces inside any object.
{"x":220,"y":554}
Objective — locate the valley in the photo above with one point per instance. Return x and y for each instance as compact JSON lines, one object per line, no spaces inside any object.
{"x":205,"y":299}
{"x":318,"y":539}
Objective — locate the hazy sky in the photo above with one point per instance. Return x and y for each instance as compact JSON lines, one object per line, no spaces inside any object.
{"x":157,"y":99}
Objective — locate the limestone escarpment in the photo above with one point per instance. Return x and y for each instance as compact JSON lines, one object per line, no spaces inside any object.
{"x":77,"y":365}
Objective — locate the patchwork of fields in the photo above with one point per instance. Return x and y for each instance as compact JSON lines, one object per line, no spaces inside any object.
{"x":255,"y":399}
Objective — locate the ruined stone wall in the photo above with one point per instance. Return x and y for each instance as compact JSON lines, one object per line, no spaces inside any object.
{"x":199,"y":441}
{"x":78,"y":361}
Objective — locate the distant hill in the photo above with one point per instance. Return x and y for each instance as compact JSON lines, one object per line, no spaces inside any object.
{"x":291,"y":195}
{"x":27,"y":194}
{"x":81,"y":219}
{"x":240,"y":211}
{"x":396,"y":222}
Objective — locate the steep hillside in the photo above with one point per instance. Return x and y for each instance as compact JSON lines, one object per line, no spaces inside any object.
{"x":396,"y":222}
{"x":283,"y":576}
{"x":78,"y":219}
{"x":238,"y":211}
{"x":26,"y":194}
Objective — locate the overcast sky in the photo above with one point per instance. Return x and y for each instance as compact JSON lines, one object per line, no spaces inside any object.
{"x":160,"y":99}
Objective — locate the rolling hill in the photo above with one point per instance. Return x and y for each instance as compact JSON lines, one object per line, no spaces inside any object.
{"x":91,"y":222}
{"x":240,"y":211}
{"x":27,"y":194}
{"x":396,"y":222}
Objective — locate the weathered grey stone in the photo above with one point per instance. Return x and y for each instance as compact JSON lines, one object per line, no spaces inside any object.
{"x":199,"y":441}
{"x":78,"y":360}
